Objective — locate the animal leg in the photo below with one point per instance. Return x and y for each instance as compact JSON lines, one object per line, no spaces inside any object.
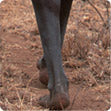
{"x":48,"y":17}
{"x":64,"y":14}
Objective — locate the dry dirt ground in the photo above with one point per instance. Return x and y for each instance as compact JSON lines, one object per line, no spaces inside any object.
{"x":86,"y":57}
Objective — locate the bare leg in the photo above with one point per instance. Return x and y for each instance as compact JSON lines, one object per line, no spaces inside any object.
{"x":48,"y":17}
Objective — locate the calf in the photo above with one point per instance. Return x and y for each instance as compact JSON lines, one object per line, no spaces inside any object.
{"x":52,"y":17}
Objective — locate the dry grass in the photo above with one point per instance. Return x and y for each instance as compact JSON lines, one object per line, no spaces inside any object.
{"x":85,"y":52}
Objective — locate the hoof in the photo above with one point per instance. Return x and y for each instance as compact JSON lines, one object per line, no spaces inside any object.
{"x":58,"y":102}
{"x":43,"y":76}
{"x":45,"y":101}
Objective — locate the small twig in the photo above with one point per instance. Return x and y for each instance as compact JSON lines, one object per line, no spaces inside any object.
{"x":107,"y":5}
{"x":96,"y":10}
{"x":20,"y":100}
{"x":78,"y":90}
{"x":107,"y":8}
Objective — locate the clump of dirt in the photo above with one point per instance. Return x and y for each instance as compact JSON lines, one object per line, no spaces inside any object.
{"x":86,"y":57}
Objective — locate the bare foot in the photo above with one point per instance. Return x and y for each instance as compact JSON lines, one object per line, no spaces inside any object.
{"x":59,"y":101}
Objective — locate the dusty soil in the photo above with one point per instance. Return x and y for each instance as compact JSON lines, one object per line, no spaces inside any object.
{"x":85,"y":56}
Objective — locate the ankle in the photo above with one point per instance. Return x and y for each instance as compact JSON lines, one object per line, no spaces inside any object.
{"x":41,"y":63}
{"x":62,"y":87}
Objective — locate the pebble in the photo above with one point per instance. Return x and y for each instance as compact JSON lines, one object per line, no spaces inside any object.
{"x":109,"y":109}
{"x":1,"y":1}
{"x":1,"y":109}
{"x":109,"y":1}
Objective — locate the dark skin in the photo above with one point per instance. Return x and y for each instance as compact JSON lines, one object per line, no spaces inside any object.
{"x":52,"y":17}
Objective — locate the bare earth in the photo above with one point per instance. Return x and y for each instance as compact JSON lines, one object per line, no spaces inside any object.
{"x":85,"y":57}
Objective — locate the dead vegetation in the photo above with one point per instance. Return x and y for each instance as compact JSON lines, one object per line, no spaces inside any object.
{"x":86,"y":56}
